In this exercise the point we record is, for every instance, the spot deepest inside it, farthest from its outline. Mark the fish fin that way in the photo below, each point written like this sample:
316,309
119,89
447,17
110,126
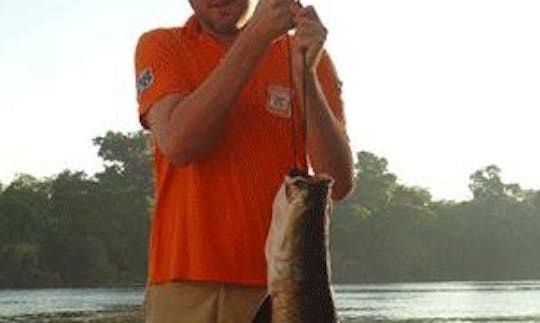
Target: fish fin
264,313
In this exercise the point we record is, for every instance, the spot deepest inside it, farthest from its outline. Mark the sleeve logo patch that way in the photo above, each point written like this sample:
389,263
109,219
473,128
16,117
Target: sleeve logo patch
144,80
279,101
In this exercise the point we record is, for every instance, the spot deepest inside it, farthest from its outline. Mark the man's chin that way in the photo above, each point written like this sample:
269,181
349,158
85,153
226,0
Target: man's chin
225,28
224,23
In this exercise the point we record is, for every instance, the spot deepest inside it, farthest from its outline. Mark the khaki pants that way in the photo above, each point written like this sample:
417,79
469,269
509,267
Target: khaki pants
200,302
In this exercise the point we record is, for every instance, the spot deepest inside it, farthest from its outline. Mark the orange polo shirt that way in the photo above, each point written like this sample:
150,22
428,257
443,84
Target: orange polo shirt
211,217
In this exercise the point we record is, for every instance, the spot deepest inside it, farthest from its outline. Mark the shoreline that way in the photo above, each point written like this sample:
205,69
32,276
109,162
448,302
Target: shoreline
125,314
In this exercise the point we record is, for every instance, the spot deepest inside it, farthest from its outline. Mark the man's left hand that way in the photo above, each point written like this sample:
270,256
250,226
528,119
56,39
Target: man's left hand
309,39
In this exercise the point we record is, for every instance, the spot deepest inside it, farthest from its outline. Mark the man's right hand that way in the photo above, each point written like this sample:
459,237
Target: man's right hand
272,18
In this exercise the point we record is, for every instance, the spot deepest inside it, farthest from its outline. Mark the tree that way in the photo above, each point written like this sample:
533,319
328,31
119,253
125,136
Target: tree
374,184
126,196
24,213
127,158
78,229
357,224
486,184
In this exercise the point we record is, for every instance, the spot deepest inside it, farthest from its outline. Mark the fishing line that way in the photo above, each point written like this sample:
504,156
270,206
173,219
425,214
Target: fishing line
292,103
297,167
304,109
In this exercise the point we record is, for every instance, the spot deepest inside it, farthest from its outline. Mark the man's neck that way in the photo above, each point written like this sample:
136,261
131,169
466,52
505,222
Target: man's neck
225,40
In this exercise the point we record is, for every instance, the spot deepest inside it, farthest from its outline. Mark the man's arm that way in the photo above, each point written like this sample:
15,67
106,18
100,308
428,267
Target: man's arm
327,143
187,127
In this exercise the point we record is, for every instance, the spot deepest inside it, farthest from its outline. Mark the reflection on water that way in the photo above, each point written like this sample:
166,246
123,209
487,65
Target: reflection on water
440,302
412,302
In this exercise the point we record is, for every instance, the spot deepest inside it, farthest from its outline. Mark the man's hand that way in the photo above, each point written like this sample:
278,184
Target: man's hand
273,18
309,39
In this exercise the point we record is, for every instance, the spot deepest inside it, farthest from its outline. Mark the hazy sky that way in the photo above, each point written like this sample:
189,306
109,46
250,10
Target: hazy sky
439,88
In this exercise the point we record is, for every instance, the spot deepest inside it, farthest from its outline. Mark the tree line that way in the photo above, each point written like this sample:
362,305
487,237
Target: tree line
77,229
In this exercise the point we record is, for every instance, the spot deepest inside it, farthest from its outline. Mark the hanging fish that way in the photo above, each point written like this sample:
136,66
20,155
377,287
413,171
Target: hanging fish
297,254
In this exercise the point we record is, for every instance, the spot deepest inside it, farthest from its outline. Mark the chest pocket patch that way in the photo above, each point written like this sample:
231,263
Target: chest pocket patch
278,101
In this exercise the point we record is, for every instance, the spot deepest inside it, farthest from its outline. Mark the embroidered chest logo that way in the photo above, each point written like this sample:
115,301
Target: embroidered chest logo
279,101
144,80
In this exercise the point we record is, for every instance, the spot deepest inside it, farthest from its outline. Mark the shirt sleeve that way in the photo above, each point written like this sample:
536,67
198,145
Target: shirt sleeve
158,69
331,86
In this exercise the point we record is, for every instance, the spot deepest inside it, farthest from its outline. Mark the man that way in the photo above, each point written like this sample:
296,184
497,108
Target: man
219,100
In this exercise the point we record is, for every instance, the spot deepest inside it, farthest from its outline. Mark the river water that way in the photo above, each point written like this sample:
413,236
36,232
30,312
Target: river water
514,301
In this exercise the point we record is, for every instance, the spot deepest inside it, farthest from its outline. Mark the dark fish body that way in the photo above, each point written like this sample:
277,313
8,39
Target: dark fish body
297,254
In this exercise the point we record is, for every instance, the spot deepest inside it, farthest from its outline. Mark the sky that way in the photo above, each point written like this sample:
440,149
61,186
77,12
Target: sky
440,88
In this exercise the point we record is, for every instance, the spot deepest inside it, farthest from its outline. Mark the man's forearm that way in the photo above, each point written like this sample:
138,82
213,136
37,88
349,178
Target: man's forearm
198,119
327,143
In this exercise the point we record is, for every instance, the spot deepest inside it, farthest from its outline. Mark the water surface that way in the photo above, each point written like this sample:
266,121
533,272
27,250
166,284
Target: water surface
440,302
513,301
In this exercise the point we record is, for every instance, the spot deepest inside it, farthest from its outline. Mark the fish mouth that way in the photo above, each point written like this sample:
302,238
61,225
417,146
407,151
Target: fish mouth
300,185
302,175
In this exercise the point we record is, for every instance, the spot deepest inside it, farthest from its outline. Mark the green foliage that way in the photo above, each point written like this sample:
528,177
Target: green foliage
80,229
76,229
389,232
